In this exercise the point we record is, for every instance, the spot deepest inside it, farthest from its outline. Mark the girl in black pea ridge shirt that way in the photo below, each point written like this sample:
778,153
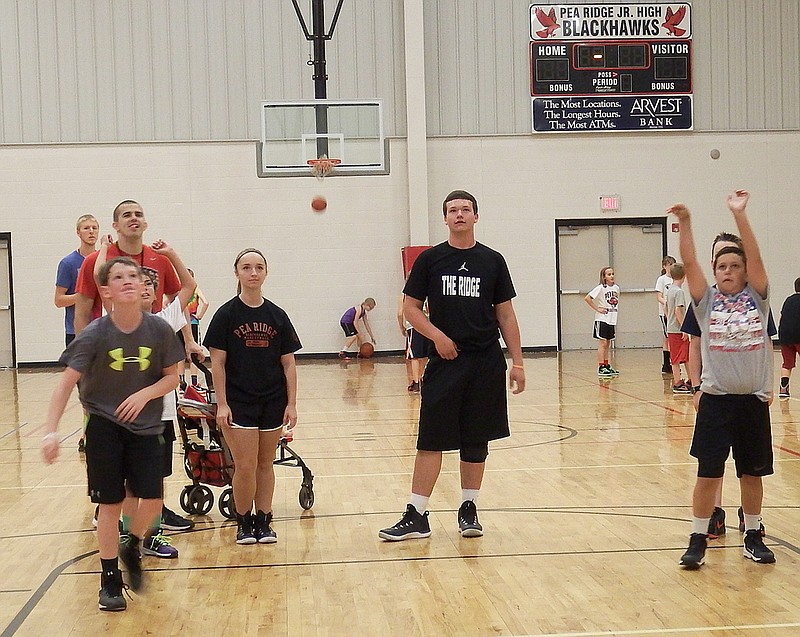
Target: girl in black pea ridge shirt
252,344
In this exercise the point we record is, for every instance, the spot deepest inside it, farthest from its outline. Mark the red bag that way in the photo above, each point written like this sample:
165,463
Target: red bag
207,466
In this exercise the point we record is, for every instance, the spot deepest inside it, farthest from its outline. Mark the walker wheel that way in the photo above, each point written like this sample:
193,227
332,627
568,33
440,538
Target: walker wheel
201,499
306,497
226,504
184,499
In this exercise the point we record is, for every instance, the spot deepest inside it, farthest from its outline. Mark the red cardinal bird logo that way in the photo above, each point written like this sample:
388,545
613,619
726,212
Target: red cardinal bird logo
548,21
673,20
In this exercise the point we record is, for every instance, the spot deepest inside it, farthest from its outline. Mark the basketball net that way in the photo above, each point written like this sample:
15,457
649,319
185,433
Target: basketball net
323,166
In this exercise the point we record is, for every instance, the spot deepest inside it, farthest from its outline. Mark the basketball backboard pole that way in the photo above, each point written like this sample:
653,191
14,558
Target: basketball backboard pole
318,36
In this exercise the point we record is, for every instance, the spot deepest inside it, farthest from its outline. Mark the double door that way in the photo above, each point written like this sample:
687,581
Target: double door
634,248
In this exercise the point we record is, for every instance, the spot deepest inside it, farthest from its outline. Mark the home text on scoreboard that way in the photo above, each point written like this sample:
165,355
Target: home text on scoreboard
601,67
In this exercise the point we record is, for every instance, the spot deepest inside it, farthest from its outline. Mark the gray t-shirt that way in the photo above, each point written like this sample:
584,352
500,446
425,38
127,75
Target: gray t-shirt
674,297
114,365
736,349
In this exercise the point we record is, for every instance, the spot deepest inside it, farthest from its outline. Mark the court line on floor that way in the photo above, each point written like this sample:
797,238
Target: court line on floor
16,622
340,476
682,413
38,595
667,631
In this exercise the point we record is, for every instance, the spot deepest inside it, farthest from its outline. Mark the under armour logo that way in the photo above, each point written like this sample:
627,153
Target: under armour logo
118,359
463,267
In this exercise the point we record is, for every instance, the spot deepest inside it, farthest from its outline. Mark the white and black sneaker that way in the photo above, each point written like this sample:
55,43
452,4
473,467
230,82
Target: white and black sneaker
262,528
695,555
245,532
468,520
413,525
755,549
111,588
171,521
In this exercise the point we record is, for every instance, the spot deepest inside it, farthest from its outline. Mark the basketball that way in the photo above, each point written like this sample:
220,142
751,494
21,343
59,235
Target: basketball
366,350
319,203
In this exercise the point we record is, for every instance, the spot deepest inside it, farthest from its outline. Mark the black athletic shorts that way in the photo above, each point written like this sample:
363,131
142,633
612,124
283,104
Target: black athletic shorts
604,331
264,416
464,401
732,421
349,329
417,346
169,445
115,457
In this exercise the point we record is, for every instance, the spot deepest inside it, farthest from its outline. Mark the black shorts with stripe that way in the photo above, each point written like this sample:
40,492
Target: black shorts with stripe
604,331
417,346
349,329
464,403
264,415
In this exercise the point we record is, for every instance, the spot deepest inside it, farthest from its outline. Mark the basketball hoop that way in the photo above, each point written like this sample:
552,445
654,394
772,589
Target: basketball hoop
323,166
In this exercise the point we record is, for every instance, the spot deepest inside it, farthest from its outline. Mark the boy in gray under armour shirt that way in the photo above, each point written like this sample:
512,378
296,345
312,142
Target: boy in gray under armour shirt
125,362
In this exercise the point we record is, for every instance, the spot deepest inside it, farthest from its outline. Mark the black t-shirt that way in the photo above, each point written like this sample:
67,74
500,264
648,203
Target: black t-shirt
254,339
789,325
462,287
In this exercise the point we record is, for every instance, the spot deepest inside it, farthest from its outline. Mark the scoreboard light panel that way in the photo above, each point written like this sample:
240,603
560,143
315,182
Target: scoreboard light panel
607,67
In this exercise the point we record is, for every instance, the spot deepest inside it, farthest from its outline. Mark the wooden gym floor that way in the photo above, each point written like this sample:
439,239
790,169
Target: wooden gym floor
585,510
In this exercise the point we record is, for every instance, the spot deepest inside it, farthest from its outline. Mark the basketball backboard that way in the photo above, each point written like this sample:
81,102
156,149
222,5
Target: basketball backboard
294,132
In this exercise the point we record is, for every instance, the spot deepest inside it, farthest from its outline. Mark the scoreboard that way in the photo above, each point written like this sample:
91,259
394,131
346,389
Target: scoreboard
611,66
591,68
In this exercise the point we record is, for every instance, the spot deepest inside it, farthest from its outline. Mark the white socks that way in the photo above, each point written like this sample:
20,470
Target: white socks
420,502
751,522
700,525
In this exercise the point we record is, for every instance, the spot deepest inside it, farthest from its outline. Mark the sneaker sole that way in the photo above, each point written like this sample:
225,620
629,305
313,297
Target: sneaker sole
247,541
416,535
112,609
268,540
175,527
692,566
766,560
471,532
152,553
